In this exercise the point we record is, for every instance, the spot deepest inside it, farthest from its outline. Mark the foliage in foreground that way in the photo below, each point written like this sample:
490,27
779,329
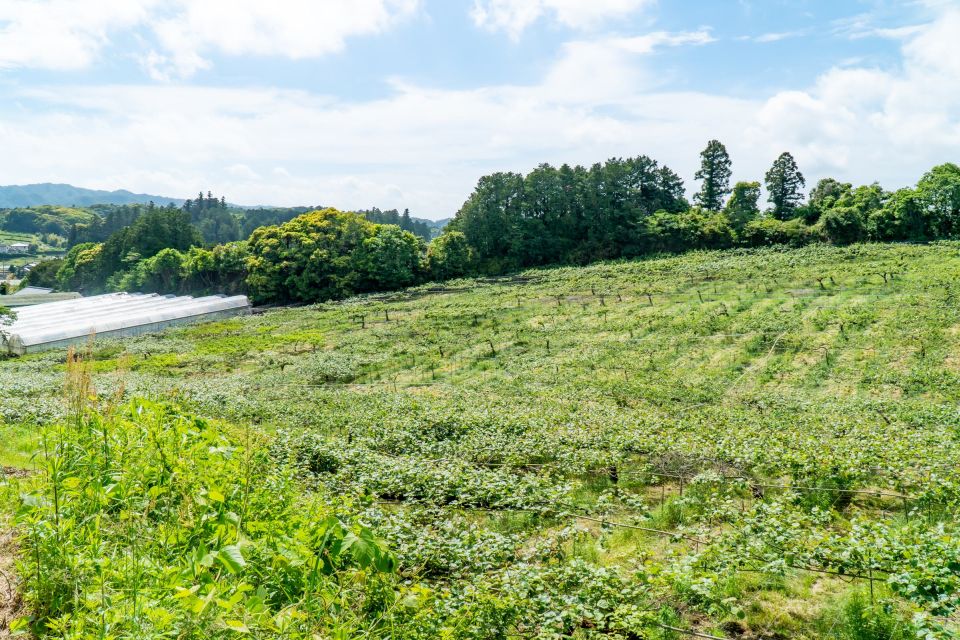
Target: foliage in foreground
151,523
731,442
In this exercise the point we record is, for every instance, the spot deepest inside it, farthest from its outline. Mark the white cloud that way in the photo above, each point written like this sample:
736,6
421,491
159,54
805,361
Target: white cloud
866,124
766,38
62,34
514,16
293,29
424,148
71,34
600,70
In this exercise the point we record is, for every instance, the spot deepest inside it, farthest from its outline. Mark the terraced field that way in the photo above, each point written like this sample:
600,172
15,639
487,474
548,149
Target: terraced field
746,444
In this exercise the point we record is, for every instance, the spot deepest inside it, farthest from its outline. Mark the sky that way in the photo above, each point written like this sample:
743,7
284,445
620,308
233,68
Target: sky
406,103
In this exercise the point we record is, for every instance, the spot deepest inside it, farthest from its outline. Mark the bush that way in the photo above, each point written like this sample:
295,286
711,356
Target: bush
770,231
844,225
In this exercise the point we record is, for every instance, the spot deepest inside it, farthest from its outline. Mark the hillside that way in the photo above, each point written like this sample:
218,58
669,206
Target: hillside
32,195
740,444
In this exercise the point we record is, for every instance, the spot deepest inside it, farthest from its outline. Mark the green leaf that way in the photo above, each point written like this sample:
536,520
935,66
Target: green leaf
19,627
236,625
231,558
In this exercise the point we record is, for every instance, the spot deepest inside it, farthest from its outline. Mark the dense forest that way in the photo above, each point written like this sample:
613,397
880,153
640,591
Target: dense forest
623,208
629,208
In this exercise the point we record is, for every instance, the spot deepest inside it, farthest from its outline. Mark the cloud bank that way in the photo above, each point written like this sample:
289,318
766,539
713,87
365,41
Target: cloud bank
424,147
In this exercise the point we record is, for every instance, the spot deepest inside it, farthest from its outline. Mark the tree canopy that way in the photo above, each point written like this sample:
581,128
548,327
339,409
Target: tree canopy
714,173
329,254
785,184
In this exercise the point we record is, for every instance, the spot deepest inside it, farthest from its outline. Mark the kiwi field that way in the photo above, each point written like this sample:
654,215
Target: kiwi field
757,444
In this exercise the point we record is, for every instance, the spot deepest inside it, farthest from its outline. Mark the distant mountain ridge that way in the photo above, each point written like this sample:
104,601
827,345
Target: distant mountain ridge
67,195
32,195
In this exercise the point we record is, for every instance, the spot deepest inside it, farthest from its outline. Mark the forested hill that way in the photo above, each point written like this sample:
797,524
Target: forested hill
32,195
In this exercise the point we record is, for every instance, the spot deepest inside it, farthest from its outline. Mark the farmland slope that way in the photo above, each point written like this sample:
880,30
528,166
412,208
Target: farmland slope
755,444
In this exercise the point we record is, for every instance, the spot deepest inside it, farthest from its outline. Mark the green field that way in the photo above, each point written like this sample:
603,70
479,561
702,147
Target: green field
44,251
743,444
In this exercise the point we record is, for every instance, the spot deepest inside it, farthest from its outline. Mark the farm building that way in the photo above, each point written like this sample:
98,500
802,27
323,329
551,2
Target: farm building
15,248
59,324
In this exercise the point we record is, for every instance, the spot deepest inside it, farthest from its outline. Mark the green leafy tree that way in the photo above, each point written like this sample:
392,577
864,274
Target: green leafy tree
566,215
784,185
491,219
162,273
940,190
715,174
307,259
152,232
824,197
222,269
44,274
81,268
744,205
903,217
388,259
844,225
866,198
449,256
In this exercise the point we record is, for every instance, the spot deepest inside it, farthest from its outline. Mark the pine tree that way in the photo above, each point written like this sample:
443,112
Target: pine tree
715,174
785,184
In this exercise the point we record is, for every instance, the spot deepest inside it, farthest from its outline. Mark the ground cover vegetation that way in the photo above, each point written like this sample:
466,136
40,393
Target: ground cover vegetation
749,443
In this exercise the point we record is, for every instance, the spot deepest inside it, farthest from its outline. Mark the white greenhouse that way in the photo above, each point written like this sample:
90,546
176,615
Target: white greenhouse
59,324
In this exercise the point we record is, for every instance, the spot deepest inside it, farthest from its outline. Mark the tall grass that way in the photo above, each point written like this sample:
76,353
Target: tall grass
150,522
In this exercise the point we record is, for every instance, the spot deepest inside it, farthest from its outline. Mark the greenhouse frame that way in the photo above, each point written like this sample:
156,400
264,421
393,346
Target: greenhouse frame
114,315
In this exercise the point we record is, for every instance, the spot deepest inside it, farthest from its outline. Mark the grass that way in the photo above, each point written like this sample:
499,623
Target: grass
19,445
731,416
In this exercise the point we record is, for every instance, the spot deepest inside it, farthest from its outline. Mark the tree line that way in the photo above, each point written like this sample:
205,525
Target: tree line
623,208
630,208
316,256
215,220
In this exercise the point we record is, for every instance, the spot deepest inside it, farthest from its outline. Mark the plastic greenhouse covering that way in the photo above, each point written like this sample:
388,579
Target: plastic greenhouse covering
57,324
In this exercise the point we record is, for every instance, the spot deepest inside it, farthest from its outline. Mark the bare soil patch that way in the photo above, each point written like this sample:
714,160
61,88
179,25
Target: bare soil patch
11,605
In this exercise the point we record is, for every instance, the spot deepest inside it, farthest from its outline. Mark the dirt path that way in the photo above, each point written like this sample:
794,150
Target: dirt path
11,606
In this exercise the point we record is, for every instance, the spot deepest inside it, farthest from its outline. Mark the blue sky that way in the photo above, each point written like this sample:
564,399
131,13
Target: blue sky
405,103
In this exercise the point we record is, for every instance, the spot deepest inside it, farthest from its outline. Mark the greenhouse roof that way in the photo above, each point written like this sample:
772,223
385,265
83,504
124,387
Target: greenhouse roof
57,324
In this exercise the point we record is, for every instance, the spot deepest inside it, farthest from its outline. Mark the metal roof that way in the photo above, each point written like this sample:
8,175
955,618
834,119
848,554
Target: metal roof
30,291
57,324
